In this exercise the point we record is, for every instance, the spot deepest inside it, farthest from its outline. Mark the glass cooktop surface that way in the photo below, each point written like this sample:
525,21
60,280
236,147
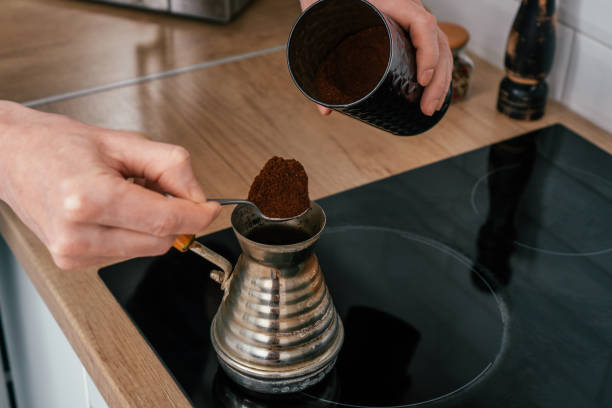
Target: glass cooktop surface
484,280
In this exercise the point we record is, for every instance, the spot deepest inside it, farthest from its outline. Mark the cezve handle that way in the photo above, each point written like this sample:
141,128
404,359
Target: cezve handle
188,242
183,242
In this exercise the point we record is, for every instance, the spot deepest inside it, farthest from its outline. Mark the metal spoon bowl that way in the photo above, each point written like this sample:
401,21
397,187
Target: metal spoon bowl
186,242
228,201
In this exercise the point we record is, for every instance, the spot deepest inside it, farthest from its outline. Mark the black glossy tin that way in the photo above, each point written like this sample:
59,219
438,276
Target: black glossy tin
394,103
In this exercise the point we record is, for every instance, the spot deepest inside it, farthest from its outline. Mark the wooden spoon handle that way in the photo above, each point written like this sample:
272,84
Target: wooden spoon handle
183,242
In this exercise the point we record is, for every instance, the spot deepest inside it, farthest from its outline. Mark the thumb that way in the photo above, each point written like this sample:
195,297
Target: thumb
166,167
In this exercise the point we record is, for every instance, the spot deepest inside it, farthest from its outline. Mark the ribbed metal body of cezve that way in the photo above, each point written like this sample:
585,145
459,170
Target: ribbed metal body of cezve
276,330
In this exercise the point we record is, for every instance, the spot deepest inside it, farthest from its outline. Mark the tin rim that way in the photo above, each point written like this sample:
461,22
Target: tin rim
381,16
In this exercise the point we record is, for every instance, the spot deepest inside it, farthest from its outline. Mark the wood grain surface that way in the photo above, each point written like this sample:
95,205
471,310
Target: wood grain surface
49,47
232,118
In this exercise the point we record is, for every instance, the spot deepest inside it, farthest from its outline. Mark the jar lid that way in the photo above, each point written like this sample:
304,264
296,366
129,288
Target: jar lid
458,36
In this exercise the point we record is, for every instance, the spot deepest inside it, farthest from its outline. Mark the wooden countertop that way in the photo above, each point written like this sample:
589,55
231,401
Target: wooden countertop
232,116
51,47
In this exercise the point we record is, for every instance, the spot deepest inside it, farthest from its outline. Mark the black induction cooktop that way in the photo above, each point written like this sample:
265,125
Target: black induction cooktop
484,280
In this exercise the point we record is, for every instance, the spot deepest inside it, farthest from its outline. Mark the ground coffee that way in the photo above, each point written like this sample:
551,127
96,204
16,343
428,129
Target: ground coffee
354,67
281,189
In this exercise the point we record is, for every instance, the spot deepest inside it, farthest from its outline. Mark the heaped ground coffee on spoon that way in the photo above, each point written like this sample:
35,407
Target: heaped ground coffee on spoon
281,189
354,67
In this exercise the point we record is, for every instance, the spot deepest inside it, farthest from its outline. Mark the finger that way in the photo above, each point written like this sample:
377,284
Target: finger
306,3
423,29
85,241
115,202
166,167
141,181
445,48
72,263
435,92
324,111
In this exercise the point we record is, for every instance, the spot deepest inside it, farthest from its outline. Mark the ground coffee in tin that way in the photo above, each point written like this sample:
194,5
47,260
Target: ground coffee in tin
354,67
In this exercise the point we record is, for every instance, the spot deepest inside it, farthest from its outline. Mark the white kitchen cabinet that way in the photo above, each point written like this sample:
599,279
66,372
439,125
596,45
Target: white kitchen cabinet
46,371
4,394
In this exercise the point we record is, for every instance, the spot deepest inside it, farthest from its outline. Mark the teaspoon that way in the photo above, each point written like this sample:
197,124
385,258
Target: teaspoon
185,242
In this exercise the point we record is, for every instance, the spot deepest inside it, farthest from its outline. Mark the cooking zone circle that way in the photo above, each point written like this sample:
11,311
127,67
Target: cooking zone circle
548,207
417,329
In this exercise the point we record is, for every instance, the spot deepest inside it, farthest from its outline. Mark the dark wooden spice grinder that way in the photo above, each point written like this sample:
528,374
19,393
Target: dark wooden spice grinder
529,57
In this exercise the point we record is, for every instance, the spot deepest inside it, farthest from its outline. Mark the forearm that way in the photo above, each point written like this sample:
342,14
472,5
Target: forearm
19,129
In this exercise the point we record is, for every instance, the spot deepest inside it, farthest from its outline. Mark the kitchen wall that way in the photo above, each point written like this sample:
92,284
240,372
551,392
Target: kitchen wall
581,77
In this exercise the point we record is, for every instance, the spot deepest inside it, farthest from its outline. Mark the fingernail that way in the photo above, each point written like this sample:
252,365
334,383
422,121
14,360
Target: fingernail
426,77
431,107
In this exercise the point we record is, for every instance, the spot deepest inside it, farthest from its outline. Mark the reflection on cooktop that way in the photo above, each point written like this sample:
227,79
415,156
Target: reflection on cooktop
415,327
482,280
552,221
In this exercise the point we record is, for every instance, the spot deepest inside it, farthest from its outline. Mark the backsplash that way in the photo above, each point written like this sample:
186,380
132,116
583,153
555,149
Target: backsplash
583,59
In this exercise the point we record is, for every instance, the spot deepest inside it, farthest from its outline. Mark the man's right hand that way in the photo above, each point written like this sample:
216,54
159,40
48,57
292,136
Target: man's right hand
68,182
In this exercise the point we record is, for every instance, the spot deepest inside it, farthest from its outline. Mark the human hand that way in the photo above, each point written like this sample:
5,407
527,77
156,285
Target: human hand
434,58
67,181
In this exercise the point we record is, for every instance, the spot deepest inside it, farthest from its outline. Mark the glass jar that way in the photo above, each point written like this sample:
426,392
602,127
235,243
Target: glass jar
463,66
462,73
